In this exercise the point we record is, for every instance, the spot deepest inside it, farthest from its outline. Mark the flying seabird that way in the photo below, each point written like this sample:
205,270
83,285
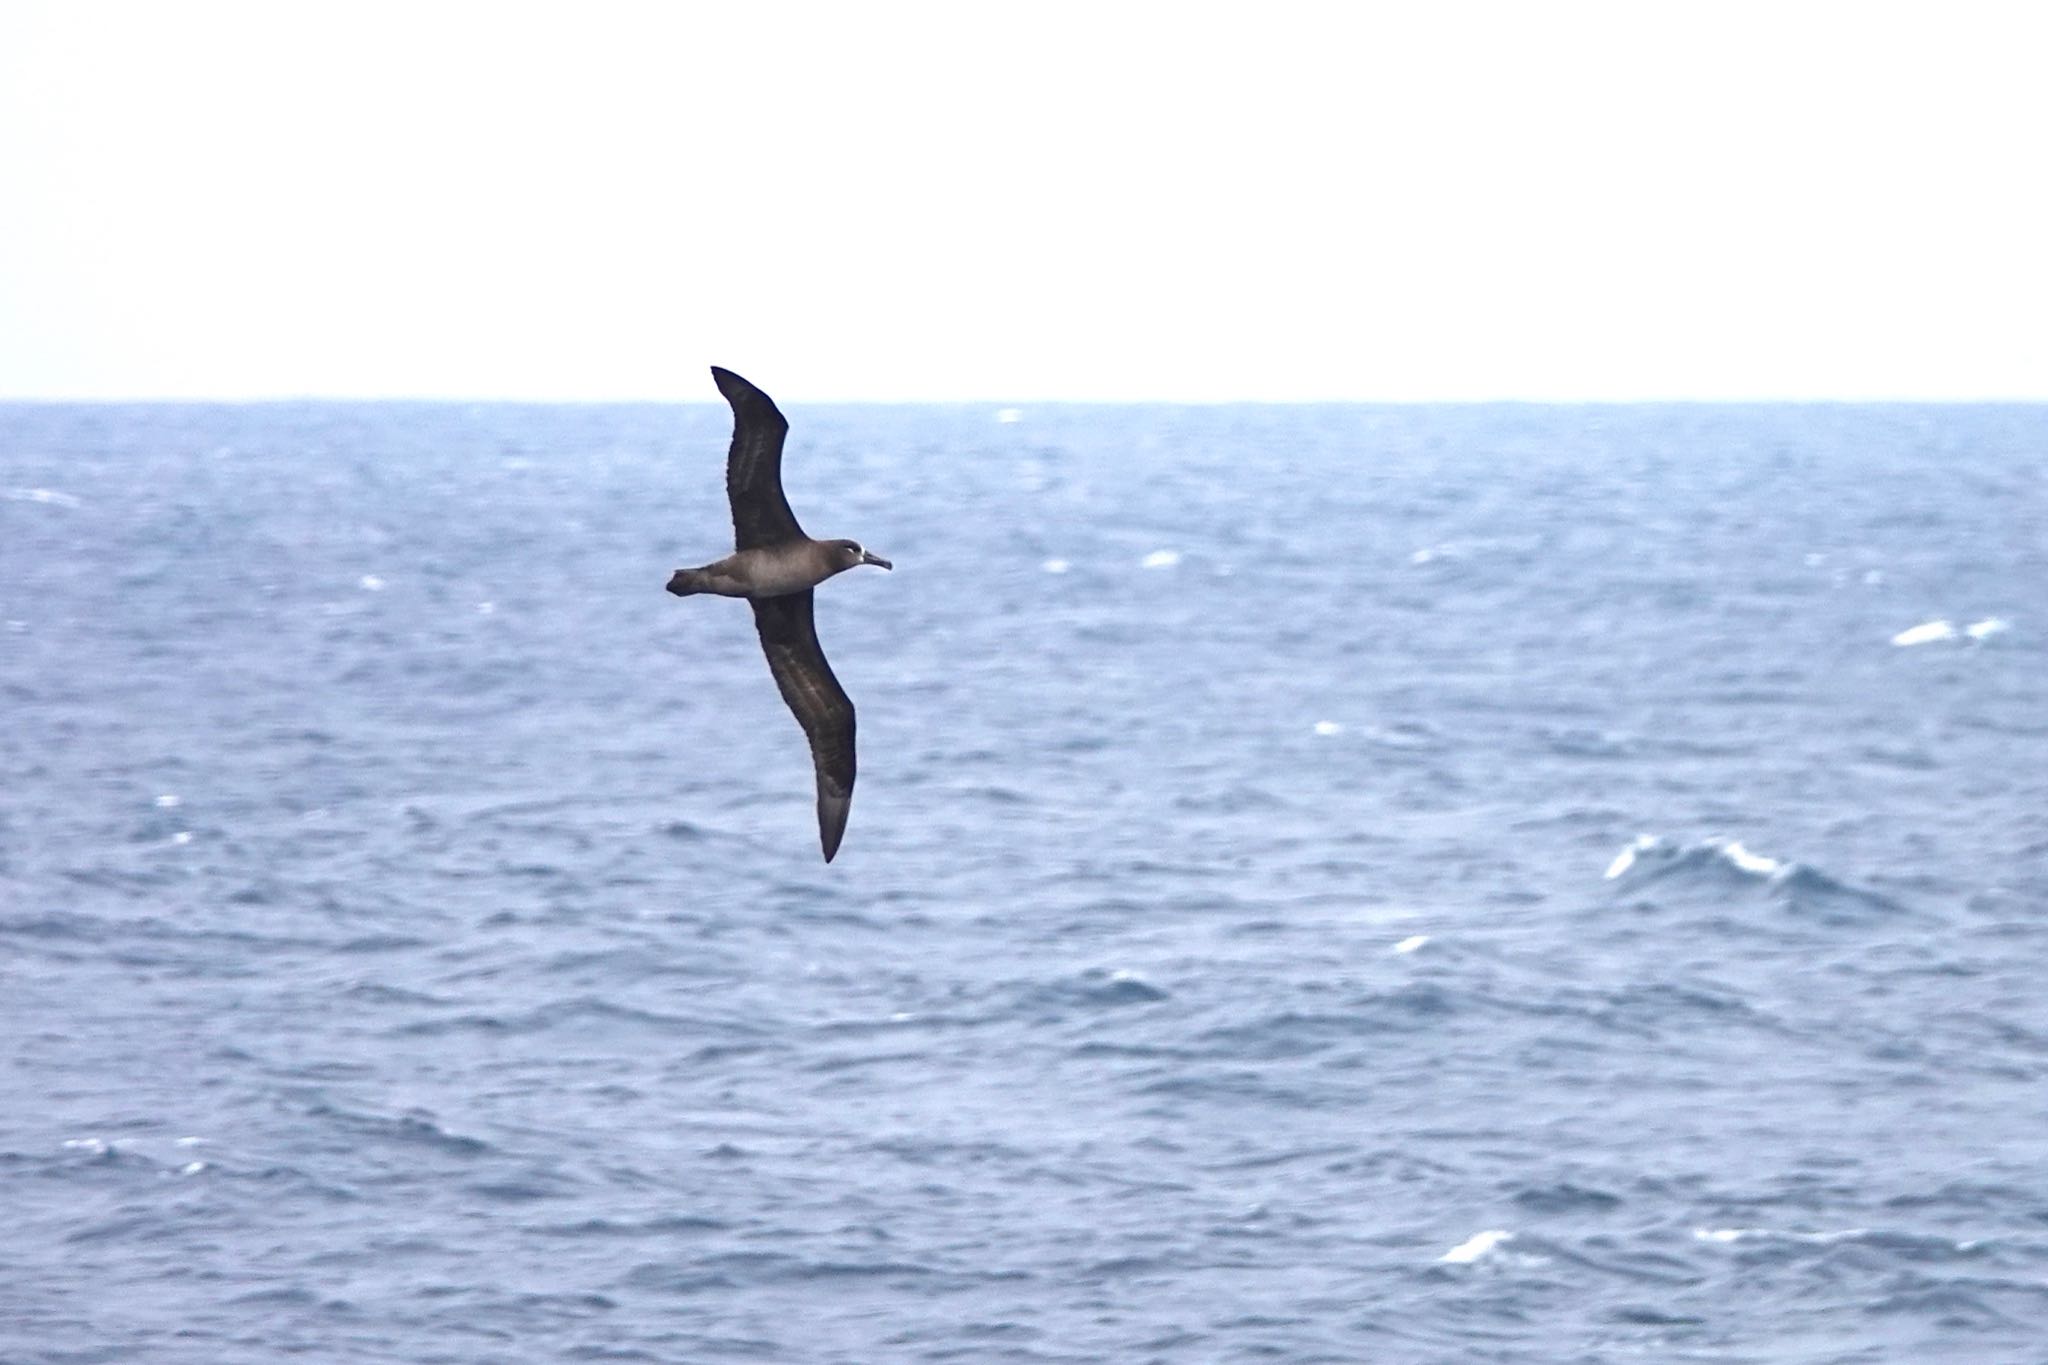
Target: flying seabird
775,566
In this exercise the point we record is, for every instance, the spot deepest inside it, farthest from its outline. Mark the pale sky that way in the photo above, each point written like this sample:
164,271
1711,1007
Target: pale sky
891,201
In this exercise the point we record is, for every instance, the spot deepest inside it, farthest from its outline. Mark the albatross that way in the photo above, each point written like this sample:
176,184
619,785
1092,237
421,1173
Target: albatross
775,566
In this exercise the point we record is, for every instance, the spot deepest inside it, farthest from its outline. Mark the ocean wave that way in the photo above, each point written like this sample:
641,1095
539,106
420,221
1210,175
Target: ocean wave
1298,1033
1716,865
1903,1246
580,1012
512,998
662,1225
1565,1197
402,1130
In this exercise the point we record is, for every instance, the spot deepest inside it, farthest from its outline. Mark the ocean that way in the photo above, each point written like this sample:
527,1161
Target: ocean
1326,884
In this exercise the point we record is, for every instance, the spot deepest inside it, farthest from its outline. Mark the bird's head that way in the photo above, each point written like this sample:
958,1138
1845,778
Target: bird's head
849,554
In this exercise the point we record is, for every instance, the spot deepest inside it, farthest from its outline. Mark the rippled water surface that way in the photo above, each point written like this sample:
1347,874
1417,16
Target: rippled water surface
1326,884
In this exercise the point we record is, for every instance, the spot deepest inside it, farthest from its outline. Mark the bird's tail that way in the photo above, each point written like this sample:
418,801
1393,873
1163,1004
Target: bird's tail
685,582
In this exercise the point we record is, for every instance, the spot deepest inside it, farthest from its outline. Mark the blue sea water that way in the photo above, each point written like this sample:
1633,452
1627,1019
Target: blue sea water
1415,884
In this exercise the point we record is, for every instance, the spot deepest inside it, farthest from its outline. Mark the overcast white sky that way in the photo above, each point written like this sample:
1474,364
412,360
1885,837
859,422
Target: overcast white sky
907,201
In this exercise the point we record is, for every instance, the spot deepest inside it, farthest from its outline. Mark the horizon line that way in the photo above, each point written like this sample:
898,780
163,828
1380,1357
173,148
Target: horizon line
256,400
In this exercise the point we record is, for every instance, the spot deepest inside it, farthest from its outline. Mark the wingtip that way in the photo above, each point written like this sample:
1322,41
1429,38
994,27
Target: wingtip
743,394
832,822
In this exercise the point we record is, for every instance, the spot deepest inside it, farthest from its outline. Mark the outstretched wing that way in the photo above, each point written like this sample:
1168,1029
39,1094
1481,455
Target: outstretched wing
753,468
790,638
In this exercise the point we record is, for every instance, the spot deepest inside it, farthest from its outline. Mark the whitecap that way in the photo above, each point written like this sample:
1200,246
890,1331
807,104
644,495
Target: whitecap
1926,633
1715,848
1626,859
1944,630
1009,415
1475,1246
1768,1234
1411,943
1328,727
169,801
1056,566
1160,559
1753,863
369,582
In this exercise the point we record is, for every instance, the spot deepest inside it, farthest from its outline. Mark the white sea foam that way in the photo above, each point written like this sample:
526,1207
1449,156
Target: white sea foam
1945,631
369,582
1729,851
1411,943
1626,859
1475,1246
1771,1235
1009,415
1056,566
1328,727
169,801
1926,633
1161,559
1754,863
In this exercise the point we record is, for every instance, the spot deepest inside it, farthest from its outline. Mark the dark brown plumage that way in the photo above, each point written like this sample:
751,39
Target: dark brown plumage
753,467
790,639
775,566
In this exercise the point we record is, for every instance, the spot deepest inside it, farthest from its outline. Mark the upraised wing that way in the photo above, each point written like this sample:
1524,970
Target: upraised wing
753,468
790,638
